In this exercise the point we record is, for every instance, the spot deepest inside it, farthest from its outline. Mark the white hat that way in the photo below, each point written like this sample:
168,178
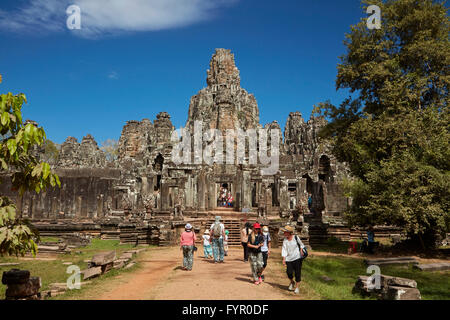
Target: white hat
188,226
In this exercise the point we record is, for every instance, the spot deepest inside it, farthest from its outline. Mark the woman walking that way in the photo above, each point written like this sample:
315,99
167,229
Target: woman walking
255,242
187,244
292,257
244,239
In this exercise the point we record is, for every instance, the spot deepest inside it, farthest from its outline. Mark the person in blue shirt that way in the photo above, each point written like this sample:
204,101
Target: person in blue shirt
310,203
370,239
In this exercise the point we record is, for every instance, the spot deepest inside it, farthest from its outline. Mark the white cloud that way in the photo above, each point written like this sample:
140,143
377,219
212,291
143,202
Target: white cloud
100,17
113,75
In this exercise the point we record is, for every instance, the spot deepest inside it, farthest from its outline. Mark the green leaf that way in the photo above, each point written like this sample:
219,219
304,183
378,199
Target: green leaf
12,146
5,118
4,164
45,170
11,212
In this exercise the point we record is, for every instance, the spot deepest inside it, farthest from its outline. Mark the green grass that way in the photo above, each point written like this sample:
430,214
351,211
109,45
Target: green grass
432,285
54,271
49,239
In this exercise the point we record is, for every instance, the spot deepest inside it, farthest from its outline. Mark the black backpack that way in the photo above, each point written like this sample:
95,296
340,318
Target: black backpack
304,251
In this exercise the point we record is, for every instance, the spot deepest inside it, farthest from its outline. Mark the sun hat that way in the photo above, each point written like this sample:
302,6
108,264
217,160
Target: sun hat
188,226
227,232
217,219
206,232
289,229
257,226
265,229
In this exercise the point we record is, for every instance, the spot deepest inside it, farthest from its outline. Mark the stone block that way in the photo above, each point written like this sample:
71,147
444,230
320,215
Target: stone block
24,290
91,272
103,258
443,266
15,276
107,267
401,293
387,281
126,255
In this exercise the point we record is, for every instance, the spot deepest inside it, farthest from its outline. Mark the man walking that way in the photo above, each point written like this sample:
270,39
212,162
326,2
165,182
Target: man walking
217,232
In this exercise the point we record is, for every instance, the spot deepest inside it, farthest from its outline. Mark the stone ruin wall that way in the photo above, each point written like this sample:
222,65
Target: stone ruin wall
144,184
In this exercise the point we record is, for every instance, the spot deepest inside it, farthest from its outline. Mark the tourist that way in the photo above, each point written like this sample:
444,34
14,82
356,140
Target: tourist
225,243
207,249
224,197
230,200
187,244
371,243
265,249
217,232
254,244
244,239
310,203
292,257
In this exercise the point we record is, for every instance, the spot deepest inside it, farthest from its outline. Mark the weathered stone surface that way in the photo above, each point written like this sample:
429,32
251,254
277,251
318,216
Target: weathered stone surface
101,259
361,286
9,264
387,281
401,293
443,266
91,273
126,255
119,264
23,290
86,154
395,260
15,276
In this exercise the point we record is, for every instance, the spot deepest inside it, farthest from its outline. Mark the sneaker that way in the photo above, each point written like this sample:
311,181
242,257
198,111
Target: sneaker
256,282
291,287
297,291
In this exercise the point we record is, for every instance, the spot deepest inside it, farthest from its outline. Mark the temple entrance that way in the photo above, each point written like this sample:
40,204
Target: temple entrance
225,197
325,173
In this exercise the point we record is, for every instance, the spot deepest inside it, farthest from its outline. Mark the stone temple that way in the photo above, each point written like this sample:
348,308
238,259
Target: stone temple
144,197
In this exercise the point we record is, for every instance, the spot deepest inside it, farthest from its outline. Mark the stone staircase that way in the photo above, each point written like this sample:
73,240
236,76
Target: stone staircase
233,225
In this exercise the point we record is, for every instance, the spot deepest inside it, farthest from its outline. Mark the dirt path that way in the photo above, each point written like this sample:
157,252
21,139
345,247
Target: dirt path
161,277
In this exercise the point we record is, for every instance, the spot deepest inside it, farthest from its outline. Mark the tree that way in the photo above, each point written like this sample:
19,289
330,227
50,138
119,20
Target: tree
111,149
393,130
49,152
17,140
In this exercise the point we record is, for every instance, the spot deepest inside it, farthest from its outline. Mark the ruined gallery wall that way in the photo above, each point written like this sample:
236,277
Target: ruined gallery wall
83,193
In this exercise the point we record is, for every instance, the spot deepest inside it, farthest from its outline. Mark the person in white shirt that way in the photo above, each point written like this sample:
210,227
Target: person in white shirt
207,249
292,257
217,232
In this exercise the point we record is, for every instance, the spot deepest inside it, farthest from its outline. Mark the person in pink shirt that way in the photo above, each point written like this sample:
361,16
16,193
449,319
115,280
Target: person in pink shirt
187,244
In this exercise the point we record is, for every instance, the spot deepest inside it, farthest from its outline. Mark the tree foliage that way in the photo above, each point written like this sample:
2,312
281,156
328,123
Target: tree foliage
25,171
393,130
111,149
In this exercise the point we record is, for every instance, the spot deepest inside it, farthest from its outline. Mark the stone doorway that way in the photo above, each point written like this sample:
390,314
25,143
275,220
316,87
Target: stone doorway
223,189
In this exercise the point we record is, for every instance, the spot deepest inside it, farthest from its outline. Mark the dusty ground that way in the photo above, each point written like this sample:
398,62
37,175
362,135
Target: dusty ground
160,277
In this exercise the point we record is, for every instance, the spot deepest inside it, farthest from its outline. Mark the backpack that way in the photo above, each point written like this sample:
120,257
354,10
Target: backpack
217,230
304,251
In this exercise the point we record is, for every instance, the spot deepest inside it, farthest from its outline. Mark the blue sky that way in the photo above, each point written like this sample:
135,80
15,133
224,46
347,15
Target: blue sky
287,52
